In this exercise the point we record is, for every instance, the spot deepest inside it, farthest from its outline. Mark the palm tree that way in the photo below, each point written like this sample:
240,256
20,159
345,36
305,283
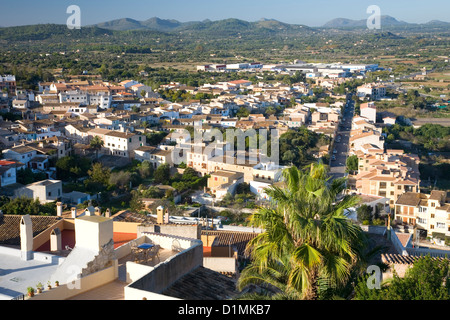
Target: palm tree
96,144
308,246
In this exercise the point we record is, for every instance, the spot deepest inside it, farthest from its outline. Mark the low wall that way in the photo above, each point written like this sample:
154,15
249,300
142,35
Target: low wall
179,230
220,264
67,291
125,249
38,256
137,294
166,273
44,236
135,271
431,252
374,229
125,227
400,270
397,244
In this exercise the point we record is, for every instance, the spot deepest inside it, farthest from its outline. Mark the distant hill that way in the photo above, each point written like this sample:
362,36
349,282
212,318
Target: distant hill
349,23
438,23
121,25
50,31
225,26
155,24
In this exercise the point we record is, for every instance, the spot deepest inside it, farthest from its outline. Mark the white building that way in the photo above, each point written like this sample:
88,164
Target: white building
372,91
7,173
369,111
45,190
122,143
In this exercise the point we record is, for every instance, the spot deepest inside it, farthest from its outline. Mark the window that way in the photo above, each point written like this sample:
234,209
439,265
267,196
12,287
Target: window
421,220
50,194
440,225
423,209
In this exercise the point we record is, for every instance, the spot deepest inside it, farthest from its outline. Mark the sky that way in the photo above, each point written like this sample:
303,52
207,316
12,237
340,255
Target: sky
307,12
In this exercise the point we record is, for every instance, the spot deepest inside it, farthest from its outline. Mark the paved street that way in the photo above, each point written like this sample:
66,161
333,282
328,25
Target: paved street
340,151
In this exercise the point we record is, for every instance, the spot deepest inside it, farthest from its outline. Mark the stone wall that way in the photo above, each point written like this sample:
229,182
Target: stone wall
103,260
169,271
179,230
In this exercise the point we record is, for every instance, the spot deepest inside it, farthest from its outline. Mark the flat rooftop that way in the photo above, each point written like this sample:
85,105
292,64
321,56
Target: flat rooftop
16,275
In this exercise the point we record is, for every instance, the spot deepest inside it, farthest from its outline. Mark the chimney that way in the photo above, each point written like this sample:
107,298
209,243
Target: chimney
89,211
108,213
160,215
55,240
166,217
74,212
98,211
59,209
26,238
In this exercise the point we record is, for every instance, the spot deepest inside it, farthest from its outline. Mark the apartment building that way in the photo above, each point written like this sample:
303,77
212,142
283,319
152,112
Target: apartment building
197,156
20,153
234,164
45,190
7,173
359,139
123,143
372,91
8,84
369,111
430,212
222,182
387,174
156,156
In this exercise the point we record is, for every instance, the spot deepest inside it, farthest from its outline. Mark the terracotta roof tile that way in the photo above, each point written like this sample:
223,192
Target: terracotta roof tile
203,284
10,227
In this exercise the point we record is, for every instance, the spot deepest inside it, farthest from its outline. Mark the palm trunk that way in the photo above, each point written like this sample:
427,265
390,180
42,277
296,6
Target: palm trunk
313,291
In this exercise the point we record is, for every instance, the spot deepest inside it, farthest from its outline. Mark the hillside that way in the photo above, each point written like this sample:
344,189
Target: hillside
226,27
386,21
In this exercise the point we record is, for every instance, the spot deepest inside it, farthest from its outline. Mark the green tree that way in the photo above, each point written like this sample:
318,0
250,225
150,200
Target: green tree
25,205
96,144
121,179
352,163
100,174
309,246
428,279
136,203
242,113
364,213
72,167
162,174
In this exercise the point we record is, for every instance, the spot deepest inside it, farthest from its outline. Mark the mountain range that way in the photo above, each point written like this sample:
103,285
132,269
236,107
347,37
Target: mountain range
385,21
170,25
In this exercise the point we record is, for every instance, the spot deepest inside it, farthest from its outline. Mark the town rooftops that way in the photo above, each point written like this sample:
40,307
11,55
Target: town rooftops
227,174
401,259
22,149
410,199
118,134
203,284
10,227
